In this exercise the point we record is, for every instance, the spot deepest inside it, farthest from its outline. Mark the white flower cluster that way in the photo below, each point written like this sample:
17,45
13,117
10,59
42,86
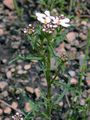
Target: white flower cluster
49,22
52,22
17,116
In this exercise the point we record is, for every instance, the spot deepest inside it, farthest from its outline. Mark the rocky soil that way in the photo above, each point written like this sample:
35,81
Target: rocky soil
23,77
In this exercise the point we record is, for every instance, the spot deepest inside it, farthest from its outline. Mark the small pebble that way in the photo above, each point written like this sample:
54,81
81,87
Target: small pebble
27,66
82,102
29,89
3,85
27,107
9,74
72,73
71,36
61,104
73,81
4,61
7,110
37,92
82,36
4,94
1,111
12,70
14,105
9,4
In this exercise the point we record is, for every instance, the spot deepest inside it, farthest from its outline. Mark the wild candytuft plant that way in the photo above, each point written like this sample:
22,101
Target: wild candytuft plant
43,38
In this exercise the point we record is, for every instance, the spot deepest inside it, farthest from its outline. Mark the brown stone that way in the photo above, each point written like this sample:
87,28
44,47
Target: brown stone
9,74
27,66
73,81
83,36
1,32
71,36
3,85
14,105
7,110
4,94
88,82
37,92
29,89
27,107
1,111
9,4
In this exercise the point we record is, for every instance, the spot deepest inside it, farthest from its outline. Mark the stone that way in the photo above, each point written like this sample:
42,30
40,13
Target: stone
71,36
19,67
9,4
82,102
20,72
61,104
27,107
9,74
83,36
72,73
53,64
88,78
88,82
81,59
7,118
4,61
3,85
1,32
19,91
4,94
1,118
44,82
68,46
12,70
23,82
29,89
37,92
73,81
1,111
7,110
24,71
14,105
15,45
84,23
27,66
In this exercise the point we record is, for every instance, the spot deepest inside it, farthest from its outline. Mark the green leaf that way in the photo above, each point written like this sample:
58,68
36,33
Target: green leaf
60,97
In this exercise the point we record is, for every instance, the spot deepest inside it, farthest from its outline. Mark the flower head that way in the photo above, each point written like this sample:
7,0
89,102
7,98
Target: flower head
61,20
29,30
46,18
17,116
43,18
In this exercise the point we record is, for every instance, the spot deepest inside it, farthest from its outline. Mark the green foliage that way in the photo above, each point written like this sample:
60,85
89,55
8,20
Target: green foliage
52,4
19,11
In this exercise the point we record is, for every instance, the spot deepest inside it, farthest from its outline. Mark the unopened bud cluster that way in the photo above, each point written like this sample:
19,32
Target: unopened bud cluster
29,29
17,116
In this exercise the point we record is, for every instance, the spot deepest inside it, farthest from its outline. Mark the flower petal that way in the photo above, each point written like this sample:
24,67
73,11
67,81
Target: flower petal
47,13
40,14
42,20
64,24
66,20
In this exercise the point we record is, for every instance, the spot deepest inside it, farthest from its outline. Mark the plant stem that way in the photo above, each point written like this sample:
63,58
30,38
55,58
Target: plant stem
48,77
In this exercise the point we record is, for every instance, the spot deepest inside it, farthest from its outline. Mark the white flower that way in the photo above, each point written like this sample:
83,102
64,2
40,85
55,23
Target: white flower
65,22
55,21
43,18
61,21
47,13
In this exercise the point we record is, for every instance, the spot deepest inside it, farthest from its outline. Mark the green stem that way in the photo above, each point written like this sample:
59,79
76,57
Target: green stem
48,76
